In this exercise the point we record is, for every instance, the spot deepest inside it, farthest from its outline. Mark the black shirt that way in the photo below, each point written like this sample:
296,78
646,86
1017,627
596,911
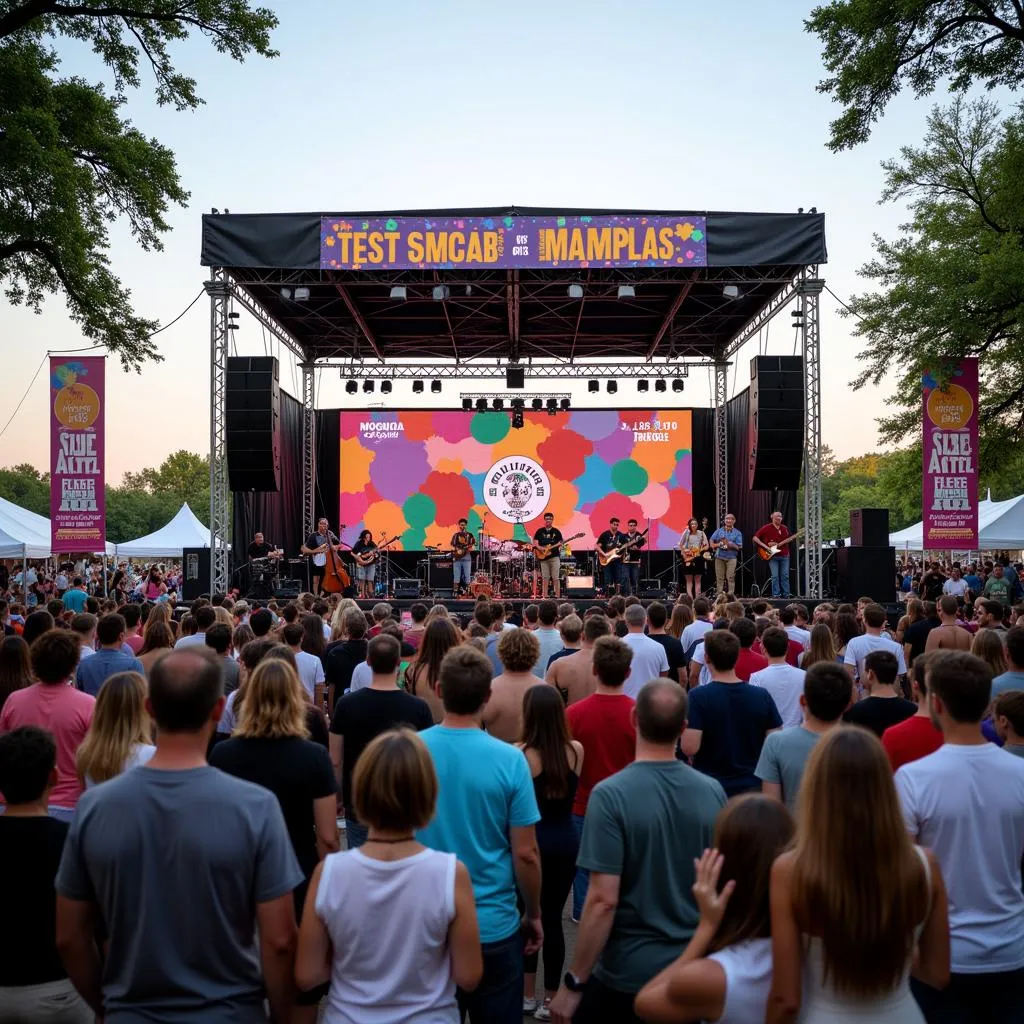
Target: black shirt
359,548
931,586
608,540
295,770
362,716
917,636
340,661
462,539
259,550
878,713
30,850
633,554
548,535
674,653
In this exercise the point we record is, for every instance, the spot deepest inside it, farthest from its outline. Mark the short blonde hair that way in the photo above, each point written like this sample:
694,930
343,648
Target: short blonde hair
394,787
518,650
274,705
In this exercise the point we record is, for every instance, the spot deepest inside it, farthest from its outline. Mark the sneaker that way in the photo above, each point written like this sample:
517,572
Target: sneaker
340,822
530,1006
543,1012
573,918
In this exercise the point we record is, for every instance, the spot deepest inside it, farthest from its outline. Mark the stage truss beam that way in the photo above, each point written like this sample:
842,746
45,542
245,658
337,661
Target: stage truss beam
221,325
810,288
721,441
308,447
478,371
783,298
359,319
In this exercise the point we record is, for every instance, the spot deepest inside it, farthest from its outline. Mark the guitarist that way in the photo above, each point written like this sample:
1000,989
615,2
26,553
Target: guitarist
463,543
366,564
631,558
549,566
772,533
608,541
692,544
728,543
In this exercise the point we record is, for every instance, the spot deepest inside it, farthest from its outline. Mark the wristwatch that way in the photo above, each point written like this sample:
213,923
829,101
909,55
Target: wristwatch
572,983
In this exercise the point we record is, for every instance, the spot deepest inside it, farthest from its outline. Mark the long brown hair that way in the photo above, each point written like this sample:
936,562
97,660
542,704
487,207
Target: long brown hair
157,637
438,639
312,634
857,881
845,627
751,831
822,646
915,610
987,646
119,724
682,616
545,730
15,667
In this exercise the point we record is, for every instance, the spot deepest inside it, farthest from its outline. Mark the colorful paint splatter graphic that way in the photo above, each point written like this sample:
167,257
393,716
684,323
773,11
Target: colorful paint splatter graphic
415,474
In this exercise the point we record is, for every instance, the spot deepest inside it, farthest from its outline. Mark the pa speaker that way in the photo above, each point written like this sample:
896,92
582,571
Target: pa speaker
776,423
405,589
515,378
580,586
869,527
252,423
866,572
195,578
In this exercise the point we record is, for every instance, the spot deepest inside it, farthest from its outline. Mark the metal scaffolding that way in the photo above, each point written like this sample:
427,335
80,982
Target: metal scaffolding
308,447
809,289
721,441
561,370
221,325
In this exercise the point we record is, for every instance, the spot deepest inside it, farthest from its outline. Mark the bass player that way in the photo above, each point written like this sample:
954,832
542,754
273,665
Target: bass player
693,545
775,534
548,539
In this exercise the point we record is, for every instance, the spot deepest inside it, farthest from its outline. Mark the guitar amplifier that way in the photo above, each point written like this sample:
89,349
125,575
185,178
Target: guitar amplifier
579,586
406,589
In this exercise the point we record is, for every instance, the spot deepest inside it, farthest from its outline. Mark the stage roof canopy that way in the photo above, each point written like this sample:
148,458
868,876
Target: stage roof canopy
494,284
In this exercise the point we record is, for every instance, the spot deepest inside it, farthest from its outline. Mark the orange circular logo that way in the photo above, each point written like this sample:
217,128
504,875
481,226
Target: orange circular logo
951,408
76,406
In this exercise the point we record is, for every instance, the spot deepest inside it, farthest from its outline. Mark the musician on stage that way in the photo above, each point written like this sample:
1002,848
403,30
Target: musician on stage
364,552
692,545
607,541
259,548
463,543
316,546
772,533
548,566
631,558
728,542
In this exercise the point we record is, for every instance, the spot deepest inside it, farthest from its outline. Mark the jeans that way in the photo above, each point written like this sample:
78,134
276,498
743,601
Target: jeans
779,568
581,883
632,577
603,1005
53,1002
613,574
355,834
463,570
995,998
61,813
498,999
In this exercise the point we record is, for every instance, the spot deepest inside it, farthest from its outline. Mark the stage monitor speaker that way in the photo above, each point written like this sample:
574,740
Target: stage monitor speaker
515,378
869,527
195,578
580,586
405,589
866,572
287,590
443,593
651,590
252,423
776,423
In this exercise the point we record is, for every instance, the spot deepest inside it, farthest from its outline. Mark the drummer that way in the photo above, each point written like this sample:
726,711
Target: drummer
548,567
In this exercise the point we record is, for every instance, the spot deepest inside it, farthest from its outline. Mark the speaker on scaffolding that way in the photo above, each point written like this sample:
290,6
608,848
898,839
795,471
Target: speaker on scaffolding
869,527
195,576
776,423
252,423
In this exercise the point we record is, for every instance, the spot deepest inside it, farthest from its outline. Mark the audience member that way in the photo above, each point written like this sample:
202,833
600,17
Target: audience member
518,651
36,624
84,626
120,734
948,634
418,615
988,645
219,640
883,706
1008,718
574,676
340,659
1013,677
262,622
649,658
15,666
747,663
784,682
547,635
309,666
424,677
859,647
205,616
795,630
657,617
822,646
916,736
570,629
694,632
915,638
157,640
109,659
132,615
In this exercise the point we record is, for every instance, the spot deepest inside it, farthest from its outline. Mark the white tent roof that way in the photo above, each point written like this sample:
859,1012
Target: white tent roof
9,546
28,531
1000,525
183,531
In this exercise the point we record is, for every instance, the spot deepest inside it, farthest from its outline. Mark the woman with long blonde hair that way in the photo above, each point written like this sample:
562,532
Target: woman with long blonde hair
345,605
120,736
856,906
987,646
822,646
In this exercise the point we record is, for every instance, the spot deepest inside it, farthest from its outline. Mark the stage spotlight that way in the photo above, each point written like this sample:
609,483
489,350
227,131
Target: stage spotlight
441,292
399,292
351,387
575,291
565,404
626,291
642,384
537,404
286,293
593,386
385,387
498,404
731,291
368,386
435,387
301,295
469,289
613,386
552,406
517,419
481,405
467,404
678,384
417,387
660,384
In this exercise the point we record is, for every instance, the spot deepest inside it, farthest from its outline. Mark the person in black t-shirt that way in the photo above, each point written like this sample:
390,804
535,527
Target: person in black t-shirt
31,844
612,572
631,558
363,551
362,716
916,636
657,616
549,566
884,706
259,548
932,583
341,658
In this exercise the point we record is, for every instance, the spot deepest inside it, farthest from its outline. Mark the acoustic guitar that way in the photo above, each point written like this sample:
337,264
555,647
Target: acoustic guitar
773,549
607,557
543,551
461,550
365,558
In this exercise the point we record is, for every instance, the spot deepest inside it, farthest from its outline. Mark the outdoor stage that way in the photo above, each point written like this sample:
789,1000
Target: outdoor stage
461,607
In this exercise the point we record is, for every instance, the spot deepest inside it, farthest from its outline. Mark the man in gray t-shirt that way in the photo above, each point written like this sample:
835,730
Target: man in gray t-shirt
181,864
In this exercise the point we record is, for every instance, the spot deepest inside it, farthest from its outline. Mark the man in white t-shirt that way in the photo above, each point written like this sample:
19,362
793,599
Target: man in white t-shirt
965,802
309,666
788,618
696,629
784,682
956,585
872,640
649,658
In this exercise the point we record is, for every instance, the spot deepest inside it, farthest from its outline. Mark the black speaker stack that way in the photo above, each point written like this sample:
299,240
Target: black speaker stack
776,423
252,426
195,577
866,568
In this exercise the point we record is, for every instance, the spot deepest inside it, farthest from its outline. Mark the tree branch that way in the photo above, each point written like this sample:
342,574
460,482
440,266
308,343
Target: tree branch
19,17
130,14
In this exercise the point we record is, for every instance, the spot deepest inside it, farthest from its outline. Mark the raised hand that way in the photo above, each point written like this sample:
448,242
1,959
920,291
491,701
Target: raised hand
710,902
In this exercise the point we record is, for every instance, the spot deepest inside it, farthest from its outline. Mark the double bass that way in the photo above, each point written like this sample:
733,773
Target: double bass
336,578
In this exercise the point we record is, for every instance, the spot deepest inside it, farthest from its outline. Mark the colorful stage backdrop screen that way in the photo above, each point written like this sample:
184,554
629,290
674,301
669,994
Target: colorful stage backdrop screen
414,474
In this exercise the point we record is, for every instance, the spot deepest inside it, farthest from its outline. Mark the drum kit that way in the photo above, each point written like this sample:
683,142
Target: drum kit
508,569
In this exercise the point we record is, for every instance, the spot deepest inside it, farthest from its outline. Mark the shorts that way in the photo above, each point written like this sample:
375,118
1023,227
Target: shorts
549,568
365,573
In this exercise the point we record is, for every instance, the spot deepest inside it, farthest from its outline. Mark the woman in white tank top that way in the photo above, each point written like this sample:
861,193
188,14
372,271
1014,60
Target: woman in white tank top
854,898
726,970
391,925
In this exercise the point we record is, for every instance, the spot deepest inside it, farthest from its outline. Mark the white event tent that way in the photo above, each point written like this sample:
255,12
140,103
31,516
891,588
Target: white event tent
183,531
1000,526
29,532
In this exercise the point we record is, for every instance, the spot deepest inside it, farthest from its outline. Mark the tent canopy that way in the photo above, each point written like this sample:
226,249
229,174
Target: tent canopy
10,547
1000,525
183,531
28,532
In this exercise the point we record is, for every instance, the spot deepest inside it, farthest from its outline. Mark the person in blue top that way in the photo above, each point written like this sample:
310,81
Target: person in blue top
486,813
728,542
75,598
109,659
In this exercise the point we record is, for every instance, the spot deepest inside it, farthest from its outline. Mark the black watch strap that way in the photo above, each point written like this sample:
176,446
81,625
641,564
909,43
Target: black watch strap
572,983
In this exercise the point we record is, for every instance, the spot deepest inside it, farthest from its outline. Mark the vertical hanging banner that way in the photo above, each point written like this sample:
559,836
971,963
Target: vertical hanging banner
77,502
949,495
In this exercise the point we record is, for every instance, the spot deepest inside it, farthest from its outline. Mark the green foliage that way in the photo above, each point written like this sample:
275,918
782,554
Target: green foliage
70,165
27,487
872,49
952,284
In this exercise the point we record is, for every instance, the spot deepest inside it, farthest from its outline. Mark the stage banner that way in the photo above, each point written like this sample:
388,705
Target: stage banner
77,501
414,474
482,243
950,486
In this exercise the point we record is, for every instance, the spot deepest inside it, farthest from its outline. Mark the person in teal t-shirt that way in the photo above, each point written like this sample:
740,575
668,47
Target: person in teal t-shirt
75,598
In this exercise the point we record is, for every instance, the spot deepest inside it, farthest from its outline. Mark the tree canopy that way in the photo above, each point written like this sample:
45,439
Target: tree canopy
873,49
71,164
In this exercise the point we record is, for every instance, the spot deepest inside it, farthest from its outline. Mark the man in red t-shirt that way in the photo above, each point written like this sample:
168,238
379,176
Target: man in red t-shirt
775,532
914,737
603,723
748,662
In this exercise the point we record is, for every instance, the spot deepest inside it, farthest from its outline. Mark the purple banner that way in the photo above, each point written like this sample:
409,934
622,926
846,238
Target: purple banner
481,243
77,501
949,495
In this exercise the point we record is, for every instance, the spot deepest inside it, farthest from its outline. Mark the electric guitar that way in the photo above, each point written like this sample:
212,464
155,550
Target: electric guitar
606,557
543,551
773,549
365,558
461,550
690,555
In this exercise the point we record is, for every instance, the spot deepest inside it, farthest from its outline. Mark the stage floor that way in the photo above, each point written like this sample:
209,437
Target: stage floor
465,607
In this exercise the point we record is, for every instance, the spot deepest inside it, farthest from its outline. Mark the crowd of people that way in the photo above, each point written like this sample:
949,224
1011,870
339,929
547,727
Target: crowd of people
997,579
752,813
